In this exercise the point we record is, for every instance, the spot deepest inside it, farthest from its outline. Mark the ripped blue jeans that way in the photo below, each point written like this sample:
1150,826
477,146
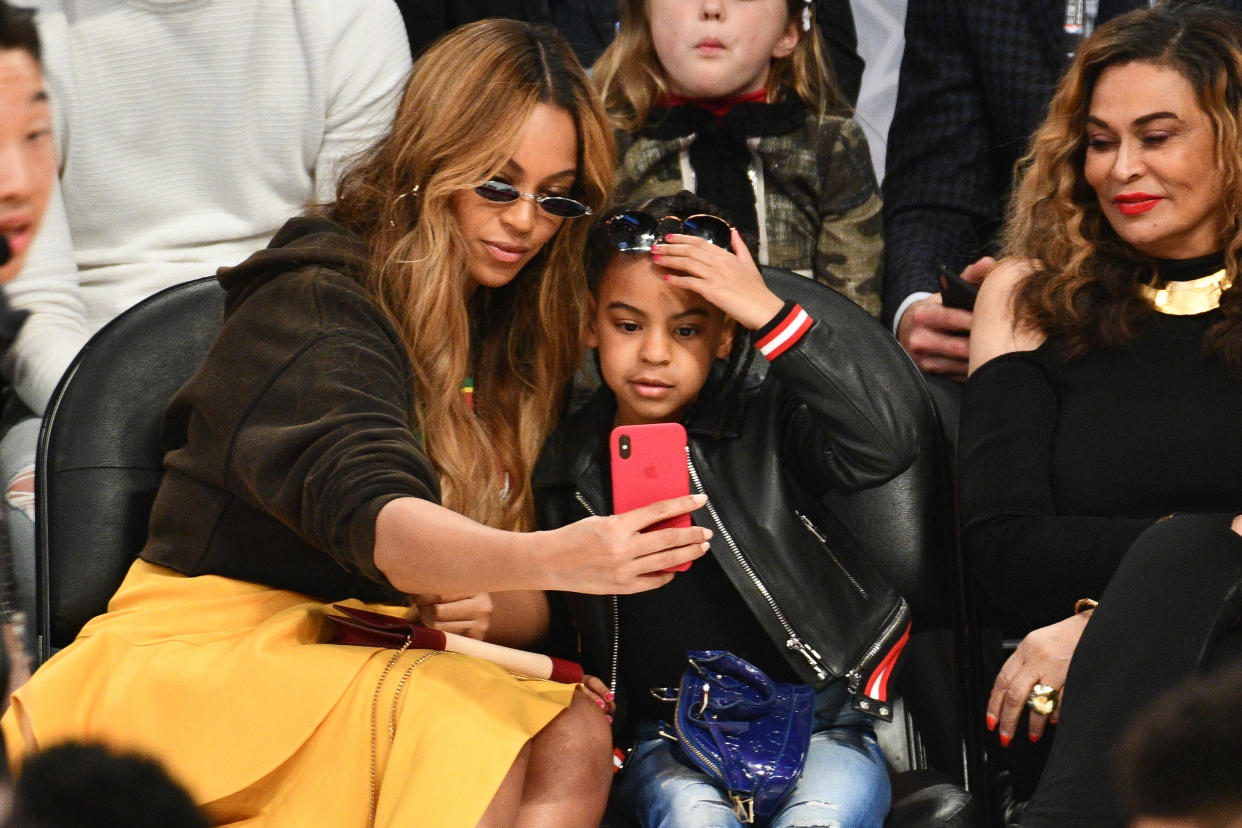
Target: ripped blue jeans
844,783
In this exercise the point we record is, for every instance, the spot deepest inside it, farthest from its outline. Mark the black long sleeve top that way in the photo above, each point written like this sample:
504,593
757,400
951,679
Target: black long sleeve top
1063,463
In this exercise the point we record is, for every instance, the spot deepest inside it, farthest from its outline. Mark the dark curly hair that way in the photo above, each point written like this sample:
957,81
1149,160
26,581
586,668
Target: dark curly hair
600,253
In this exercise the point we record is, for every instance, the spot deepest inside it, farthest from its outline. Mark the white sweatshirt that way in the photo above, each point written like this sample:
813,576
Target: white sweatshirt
189,131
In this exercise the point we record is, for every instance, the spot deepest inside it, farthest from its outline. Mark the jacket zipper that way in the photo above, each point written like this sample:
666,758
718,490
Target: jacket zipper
792,641
855,676
814,530
616,613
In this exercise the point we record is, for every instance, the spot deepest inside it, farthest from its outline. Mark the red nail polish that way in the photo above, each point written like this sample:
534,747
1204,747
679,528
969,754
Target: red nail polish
1004,739
1032,736
600,703
609,718
667,276
655,257
991,721
609,696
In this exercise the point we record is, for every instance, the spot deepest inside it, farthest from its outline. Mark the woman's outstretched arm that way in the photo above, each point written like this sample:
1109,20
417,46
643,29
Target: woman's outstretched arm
422,547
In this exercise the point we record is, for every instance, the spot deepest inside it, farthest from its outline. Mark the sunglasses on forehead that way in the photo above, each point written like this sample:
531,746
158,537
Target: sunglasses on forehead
502,192
634,231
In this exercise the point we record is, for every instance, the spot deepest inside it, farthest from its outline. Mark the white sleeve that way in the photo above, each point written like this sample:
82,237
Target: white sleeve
56,329
905,303
368,64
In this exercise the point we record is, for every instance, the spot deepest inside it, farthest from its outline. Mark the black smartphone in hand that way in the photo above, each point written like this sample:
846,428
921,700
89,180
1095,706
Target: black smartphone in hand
955,291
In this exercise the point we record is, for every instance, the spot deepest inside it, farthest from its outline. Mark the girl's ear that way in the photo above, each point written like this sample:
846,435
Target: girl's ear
726,339
788,40
590,335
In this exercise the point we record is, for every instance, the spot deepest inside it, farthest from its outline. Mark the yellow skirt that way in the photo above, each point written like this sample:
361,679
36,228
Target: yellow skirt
227,684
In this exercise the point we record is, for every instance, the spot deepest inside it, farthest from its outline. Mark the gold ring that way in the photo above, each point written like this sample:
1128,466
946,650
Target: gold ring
1043,699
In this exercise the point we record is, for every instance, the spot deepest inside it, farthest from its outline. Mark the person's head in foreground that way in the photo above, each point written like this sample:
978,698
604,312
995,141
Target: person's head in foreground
87,786
1181,763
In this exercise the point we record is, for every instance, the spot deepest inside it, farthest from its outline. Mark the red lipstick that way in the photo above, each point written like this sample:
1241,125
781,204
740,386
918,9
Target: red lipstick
1135,204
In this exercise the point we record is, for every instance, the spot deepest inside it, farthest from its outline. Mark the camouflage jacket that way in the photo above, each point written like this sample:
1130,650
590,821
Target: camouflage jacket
817,203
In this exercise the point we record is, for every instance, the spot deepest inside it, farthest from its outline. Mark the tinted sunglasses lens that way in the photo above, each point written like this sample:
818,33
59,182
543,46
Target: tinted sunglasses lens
632,232
709,228
564,207
497,191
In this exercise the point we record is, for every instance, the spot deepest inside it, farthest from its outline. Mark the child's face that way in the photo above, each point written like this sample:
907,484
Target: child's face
719,48
656,342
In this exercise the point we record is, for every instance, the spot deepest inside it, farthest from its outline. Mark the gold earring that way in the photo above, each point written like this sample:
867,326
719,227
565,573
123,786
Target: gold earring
397,201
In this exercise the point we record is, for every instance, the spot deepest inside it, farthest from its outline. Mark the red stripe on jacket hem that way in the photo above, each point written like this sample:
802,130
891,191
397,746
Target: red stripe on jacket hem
877,683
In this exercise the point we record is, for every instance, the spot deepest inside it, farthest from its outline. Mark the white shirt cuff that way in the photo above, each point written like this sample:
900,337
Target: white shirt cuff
909,300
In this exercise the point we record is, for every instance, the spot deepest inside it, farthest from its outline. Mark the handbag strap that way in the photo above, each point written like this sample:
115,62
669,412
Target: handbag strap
392,717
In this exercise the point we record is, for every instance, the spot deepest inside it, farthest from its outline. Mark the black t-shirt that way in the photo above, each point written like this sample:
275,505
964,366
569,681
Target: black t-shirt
699,609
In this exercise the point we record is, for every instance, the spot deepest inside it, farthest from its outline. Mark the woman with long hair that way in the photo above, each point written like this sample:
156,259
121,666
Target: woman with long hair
363,430
1100,467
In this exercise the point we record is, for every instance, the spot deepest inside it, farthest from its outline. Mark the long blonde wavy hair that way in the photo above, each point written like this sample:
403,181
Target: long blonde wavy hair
1083,290
467,100
631,79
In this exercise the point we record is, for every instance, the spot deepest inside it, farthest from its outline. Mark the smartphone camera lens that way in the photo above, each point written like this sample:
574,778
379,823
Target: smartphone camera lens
623,446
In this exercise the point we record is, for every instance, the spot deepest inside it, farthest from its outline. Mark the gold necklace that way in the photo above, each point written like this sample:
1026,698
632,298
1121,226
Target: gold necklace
1187,298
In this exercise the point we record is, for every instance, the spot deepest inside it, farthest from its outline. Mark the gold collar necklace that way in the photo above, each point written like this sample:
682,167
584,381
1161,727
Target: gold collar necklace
1186,298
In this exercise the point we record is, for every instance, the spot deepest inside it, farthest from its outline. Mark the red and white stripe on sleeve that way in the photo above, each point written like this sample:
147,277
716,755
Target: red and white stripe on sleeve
784,331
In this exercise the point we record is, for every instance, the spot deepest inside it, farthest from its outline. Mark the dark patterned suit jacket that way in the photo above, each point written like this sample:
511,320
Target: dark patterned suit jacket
975,81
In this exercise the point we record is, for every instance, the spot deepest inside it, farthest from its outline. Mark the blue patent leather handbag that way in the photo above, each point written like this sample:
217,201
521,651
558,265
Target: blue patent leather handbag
748,733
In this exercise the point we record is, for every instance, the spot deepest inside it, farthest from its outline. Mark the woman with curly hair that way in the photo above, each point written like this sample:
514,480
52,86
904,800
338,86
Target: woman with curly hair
1100,459
363,430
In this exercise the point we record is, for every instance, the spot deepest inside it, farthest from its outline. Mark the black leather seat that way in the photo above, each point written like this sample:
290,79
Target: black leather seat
908,525
100,464
99,460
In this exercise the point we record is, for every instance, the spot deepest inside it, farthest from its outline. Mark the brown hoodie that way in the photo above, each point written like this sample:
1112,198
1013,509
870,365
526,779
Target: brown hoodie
295,431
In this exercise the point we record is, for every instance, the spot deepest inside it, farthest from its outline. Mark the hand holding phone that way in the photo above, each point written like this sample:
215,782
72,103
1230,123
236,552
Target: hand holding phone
955,291
649,464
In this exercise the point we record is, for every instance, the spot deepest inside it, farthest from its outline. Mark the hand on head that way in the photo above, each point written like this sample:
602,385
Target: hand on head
729,280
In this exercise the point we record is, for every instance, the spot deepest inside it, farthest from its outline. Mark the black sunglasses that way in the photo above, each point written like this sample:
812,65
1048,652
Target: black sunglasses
502,192
634,231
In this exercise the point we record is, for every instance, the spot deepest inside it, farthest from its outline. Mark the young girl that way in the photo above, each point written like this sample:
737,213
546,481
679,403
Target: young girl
733,99
678,333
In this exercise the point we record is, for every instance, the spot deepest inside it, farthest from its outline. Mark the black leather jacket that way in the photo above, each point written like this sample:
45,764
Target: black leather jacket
812,420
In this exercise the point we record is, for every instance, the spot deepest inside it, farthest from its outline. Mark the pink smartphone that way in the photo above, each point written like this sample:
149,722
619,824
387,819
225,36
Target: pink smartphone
649,464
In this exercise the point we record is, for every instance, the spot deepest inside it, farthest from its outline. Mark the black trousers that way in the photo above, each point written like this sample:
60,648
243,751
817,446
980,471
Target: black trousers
1172,609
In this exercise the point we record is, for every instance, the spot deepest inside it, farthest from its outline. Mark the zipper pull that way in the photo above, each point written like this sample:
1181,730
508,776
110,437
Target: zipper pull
855,680
811,527
794,643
